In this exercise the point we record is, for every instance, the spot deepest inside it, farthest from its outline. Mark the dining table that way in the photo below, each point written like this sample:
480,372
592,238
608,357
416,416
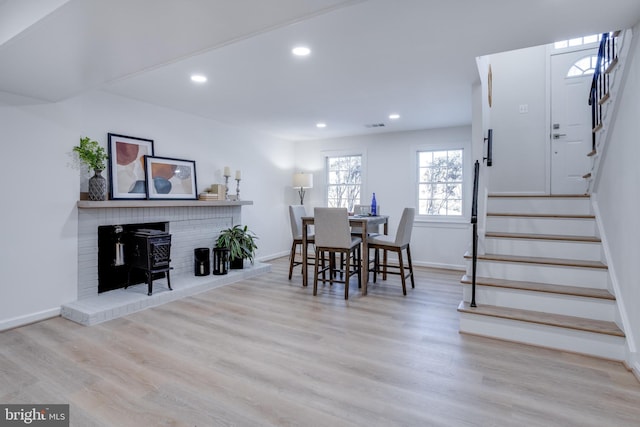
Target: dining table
365,224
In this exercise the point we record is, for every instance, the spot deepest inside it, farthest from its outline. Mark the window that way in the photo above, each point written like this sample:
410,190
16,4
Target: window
344,181
440,183
583,66
580,41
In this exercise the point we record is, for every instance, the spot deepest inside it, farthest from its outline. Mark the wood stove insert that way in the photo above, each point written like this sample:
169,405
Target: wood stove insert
119,255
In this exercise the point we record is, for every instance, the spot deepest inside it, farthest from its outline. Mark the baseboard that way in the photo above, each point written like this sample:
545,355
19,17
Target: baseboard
518,193
273,256
442,266
28,319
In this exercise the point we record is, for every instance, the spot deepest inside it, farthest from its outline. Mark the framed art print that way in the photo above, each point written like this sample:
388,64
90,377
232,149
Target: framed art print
127,166
169,178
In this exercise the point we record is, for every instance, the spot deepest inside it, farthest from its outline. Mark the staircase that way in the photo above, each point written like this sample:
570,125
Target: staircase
604,97
541,279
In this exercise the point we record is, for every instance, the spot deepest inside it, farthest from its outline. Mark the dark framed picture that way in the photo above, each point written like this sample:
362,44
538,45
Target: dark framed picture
127,166
169,178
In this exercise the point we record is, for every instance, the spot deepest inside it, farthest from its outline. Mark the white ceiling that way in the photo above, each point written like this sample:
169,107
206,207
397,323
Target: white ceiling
369,57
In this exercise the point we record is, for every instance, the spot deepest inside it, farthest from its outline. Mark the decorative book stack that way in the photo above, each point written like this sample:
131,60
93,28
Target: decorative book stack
208,196
215,192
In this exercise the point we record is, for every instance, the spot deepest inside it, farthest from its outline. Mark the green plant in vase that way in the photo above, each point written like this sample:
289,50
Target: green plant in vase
95,157
241,243
91,154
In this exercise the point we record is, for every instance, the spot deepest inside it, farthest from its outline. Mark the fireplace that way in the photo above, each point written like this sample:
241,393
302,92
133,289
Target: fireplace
129,254
193,224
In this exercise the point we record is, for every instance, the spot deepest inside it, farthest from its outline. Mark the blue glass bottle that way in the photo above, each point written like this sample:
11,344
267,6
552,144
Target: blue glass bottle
374,205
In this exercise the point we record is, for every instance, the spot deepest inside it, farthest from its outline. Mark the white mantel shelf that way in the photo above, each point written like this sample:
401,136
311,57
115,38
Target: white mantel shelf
108,204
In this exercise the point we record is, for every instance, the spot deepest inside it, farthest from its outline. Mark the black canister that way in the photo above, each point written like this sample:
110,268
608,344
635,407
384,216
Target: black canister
220,261
201,264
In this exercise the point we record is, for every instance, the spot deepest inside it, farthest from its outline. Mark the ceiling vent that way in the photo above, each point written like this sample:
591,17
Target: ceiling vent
375,125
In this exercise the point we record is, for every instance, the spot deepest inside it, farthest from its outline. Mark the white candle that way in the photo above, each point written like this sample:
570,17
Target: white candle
238,175
227,171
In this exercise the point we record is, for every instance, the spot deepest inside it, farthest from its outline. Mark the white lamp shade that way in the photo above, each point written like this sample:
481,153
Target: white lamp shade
302,180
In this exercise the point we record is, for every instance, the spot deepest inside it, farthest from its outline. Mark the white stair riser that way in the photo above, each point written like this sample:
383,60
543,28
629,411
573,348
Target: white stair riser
570,227
599,345
558,275
544,248
591,308
569,205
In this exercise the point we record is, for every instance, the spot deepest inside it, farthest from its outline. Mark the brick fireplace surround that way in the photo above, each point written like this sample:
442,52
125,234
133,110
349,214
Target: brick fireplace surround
192,224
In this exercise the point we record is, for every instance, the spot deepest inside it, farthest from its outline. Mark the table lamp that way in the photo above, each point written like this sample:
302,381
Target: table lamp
301,181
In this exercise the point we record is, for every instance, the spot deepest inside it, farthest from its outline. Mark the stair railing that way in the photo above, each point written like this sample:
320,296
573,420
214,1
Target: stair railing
474,222
601,82
605,85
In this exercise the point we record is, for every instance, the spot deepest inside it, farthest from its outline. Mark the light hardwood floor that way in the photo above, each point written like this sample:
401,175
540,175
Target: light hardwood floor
265,351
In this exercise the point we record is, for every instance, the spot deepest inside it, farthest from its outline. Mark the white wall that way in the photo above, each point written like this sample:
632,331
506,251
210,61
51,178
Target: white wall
618,198
520,141
41,189
38,215
480,125
390,172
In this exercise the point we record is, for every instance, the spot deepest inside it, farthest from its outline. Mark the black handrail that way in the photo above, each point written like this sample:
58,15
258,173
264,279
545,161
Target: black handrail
474,221
600,84
489,141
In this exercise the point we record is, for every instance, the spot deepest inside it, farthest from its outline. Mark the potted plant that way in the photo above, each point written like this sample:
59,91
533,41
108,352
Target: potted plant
94,156
241,244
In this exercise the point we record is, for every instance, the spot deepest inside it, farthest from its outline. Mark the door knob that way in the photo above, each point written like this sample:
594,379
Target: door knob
558,135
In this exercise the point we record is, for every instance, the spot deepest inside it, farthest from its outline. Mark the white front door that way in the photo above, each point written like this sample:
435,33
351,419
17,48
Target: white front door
570,120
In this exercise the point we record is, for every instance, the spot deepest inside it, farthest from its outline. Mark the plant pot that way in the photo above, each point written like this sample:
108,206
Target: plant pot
97,186
237,263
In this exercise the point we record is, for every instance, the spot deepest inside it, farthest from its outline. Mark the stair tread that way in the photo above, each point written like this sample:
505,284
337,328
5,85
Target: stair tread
542,287
558,320
541,215
540,260
593,239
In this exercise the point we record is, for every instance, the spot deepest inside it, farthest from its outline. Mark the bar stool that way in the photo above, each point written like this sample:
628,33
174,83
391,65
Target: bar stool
332,235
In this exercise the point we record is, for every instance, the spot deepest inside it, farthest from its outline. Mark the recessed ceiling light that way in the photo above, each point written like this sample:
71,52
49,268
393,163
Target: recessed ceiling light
301,51
321,125
198,78
394,116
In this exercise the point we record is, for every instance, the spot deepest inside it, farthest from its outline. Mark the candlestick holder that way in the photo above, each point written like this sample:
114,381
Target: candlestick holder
226,187
237,189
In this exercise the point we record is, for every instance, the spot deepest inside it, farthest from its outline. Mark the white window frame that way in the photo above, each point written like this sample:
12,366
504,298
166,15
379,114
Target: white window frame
467,182
332,154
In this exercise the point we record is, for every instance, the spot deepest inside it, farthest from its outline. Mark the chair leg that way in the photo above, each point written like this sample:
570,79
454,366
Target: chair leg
376,264
346,275
292,256
401,263
385,261
359,264
315,276
332,267
323,266
360,261
413,283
